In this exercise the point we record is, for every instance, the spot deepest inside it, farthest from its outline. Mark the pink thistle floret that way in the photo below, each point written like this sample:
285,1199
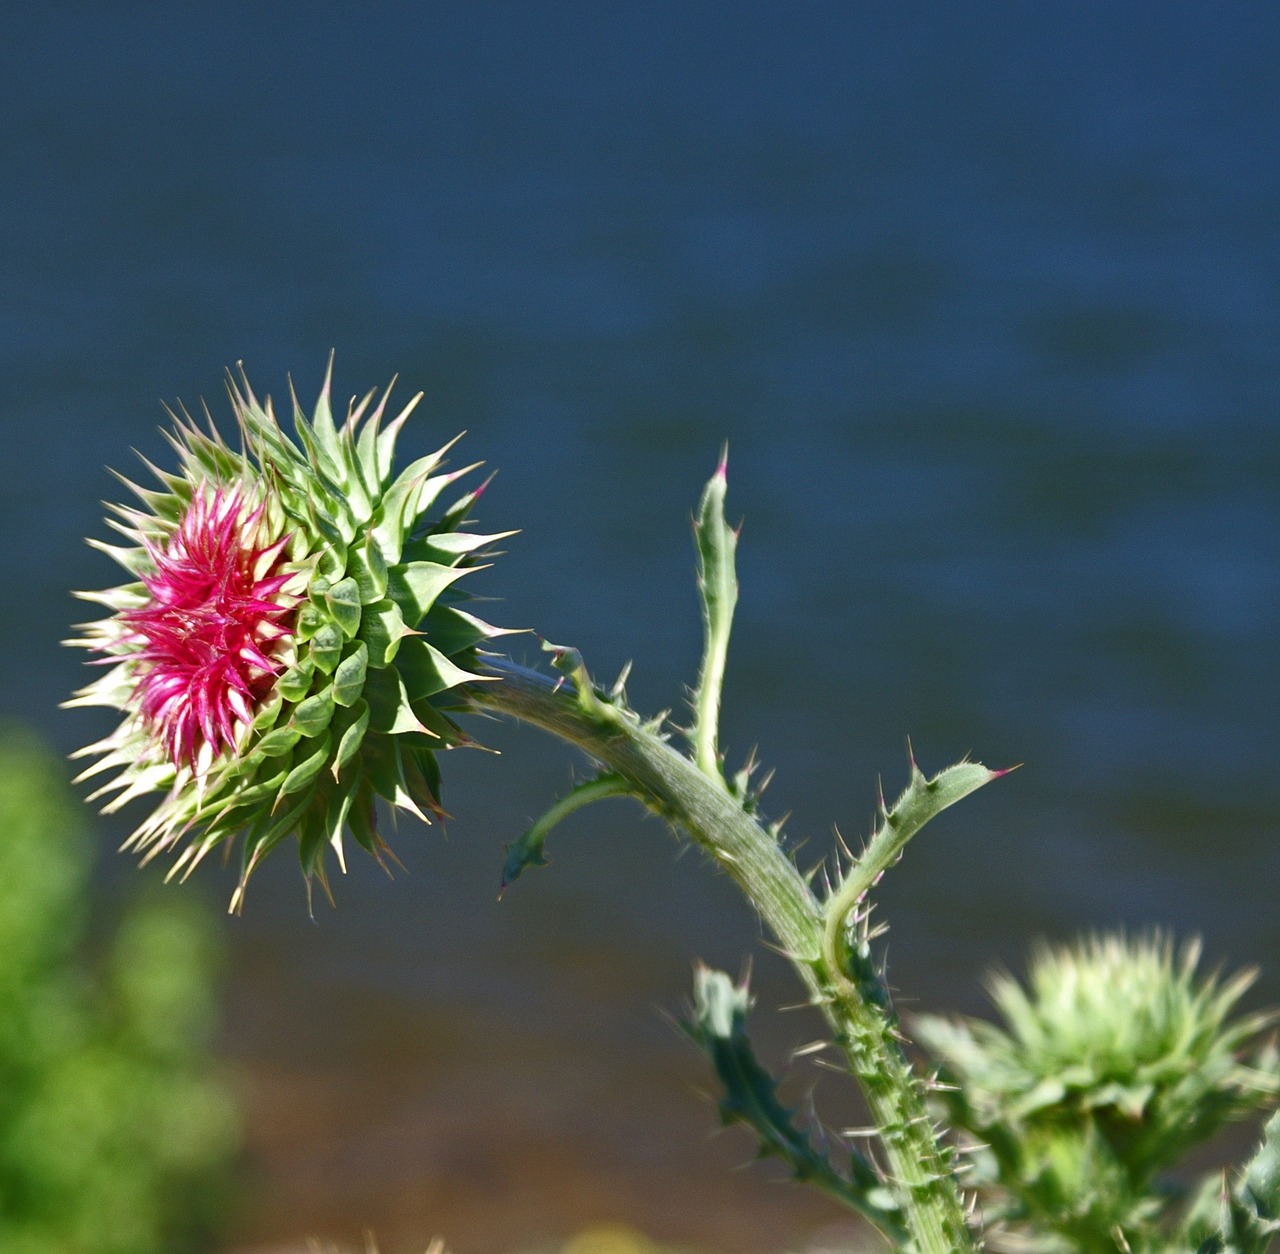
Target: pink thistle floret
210,635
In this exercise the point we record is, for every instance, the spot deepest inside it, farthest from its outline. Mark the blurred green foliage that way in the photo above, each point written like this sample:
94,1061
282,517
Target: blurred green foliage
114,1137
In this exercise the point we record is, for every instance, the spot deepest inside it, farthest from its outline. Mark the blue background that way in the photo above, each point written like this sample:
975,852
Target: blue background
985,299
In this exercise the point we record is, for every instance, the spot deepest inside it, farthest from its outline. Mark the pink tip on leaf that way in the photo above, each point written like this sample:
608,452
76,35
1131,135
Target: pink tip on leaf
479,491
1007,770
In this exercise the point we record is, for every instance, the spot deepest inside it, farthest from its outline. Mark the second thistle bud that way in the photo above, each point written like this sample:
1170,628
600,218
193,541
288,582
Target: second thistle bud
292,637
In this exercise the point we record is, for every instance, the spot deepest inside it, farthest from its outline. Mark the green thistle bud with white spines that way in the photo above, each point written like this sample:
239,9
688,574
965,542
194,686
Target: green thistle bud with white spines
292,639
1117,1058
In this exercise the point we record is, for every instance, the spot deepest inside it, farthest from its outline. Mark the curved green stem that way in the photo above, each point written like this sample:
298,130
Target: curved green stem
917,1165
527,851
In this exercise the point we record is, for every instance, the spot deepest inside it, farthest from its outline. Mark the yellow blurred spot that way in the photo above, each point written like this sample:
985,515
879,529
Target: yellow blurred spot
612,1239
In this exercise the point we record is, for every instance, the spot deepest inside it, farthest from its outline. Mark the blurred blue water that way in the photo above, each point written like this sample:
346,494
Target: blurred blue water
985,299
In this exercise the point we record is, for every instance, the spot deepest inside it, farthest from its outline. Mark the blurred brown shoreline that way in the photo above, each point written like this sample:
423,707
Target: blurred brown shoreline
364,1112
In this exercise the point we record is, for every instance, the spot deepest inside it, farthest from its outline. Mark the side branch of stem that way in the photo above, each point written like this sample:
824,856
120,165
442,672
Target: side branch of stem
917,1167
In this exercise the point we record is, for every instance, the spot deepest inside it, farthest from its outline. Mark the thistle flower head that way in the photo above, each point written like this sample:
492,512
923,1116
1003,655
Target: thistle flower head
1114,1059
291,638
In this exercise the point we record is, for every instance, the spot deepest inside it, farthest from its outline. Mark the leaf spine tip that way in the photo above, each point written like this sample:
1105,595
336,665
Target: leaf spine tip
722,467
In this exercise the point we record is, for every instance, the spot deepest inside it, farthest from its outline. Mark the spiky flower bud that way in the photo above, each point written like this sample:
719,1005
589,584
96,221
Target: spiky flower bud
291,639
1122,1029
1115,1059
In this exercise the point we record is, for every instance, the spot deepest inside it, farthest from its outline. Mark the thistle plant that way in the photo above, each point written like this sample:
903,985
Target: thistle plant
292,637
1114,1061
294,644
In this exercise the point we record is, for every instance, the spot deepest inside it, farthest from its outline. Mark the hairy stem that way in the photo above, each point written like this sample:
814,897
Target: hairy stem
917,1165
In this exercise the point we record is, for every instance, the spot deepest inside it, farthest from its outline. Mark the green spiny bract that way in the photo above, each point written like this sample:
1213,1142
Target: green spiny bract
1112,1062
1248,1214
719,1026
292,639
